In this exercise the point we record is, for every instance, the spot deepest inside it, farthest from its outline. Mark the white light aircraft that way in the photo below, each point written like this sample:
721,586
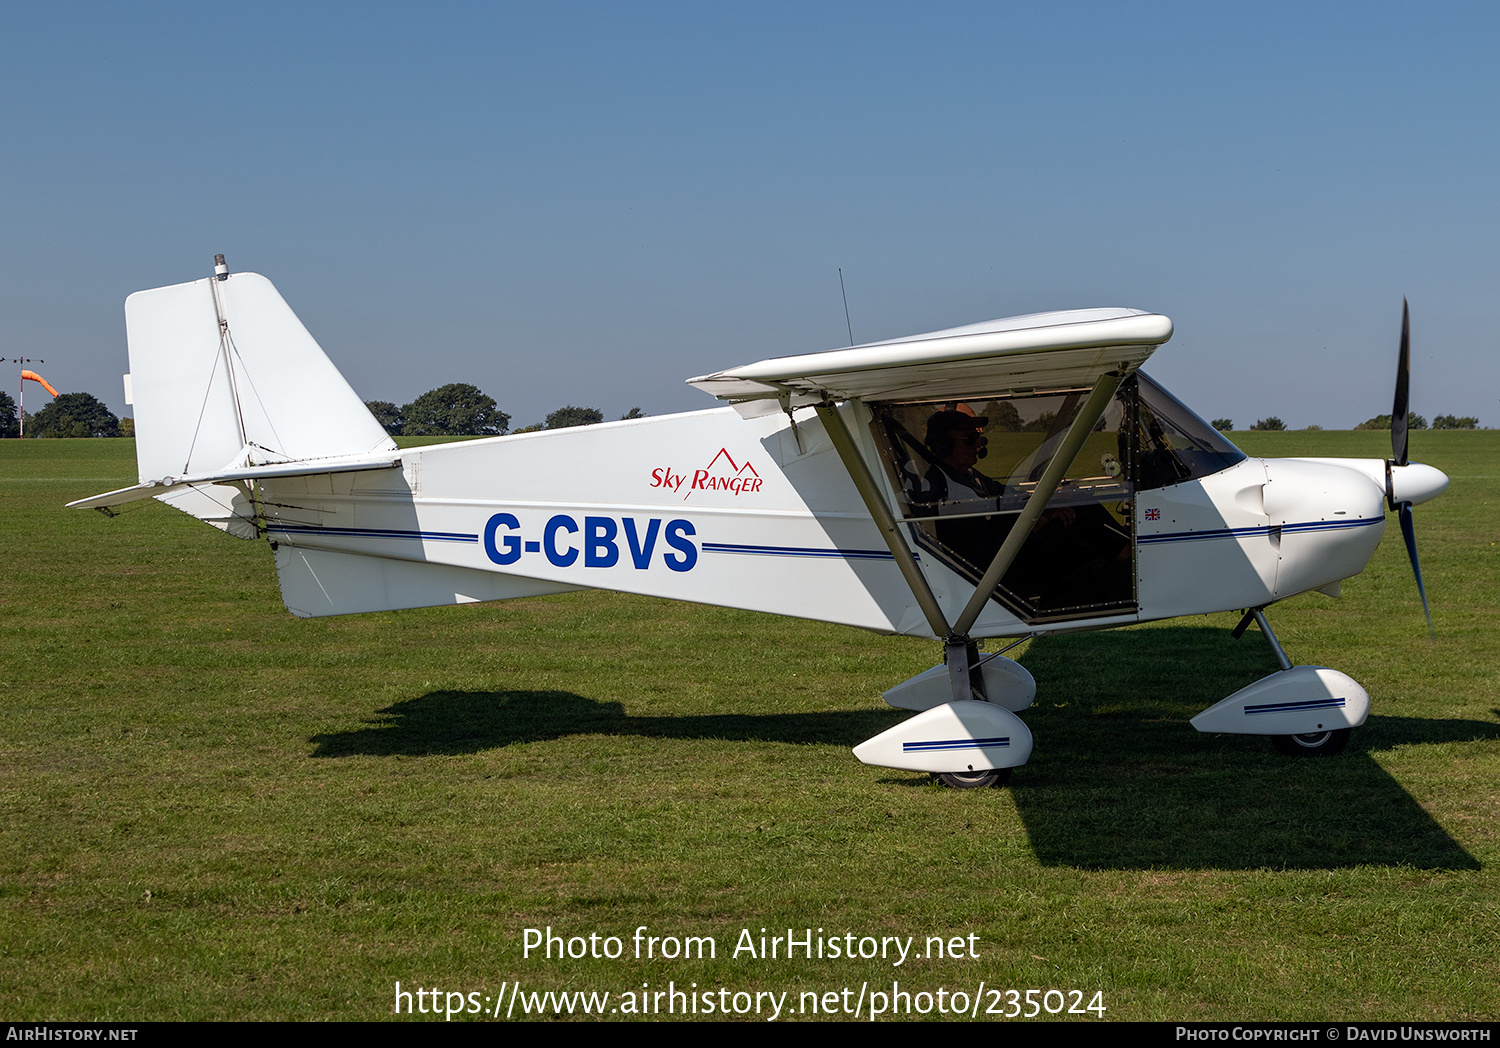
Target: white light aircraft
1008,479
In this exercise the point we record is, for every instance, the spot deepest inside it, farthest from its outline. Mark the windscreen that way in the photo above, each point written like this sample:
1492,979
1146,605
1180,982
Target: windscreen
1175,444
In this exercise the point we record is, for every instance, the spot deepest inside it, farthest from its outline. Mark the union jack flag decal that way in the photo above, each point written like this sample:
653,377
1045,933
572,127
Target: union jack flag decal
1153,514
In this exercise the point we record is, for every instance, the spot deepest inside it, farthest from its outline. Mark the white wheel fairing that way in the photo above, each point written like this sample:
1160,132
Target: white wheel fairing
1304,700
1006,683
959,737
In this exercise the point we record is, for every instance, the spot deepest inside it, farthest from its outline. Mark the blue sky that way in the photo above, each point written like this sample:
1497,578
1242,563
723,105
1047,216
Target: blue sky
589,203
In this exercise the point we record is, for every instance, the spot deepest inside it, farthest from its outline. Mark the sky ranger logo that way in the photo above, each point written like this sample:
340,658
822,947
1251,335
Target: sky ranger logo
722,474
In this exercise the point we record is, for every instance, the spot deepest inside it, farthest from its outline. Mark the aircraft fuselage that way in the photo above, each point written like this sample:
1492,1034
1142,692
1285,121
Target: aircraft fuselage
714,508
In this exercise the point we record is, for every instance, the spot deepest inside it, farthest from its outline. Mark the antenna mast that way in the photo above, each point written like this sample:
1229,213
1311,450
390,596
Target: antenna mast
846,306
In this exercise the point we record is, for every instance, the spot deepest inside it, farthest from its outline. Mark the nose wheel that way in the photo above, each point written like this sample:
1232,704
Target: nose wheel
1313,744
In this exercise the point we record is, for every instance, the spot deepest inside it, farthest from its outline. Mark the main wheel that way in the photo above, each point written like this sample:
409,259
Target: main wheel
972,780
1313,744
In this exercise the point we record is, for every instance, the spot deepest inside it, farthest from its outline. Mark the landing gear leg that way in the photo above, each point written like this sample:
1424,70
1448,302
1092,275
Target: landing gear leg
1298,697
962,656
1258,616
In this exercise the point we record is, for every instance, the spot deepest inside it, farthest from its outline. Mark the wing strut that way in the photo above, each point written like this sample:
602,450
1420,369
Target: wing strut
890,530
1067,451
961,653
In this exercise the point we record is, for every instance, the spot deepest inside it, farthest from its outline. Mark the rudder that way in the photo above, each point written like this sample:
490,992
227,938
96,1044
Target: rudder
223,374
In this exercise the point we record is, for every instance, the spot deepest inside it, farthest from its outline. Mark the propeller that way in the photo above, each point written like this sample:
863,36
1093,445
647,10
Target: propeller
1401,408
1399,442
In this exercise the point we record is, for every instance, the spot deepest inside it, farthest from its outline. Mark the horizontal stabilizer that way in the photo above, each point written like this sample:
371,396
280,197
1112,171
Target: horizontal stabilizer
166,485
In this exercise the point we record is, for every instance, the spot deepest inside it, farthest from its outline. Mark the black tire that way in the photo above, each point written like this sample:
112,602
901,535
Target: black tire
1314,744
972,780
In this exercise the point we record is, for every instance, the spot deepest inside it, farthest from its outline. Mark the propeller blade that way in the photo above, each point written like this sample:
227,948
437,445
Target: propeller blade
1410,535
1403,384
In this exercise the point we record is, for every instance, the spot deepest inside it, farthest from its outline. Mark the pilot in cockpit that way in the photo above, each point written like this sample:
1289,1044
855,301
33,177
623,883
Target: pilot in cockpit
1077,553
957,441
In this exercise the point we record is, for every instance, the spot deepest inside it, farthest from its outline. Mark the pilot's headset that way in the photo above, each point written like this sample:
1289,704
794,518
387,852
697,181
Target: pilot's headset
942,426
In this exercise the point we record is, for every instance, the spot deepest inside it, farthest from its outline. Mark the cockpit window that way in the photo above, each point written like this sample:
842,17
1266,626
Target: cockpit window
966,468
1173,443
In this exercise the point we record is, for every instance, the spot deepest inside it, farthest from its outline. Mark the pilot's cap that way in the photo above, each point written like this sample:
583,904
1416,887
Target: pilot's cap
946,422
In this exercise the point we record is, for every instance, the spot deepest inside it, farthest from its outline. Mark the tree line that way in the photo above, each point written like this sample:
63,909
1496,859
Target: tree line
461,410
68,415
455,410
1413,421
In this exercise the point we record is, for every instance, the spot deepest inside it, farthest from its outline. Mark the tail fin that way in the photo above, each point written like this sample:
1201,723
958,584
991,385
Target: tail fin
224,376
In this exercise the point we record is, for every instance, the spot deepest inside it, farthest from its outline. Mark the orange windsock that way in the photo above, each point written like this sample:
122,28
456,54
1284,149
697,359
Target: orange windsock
38,378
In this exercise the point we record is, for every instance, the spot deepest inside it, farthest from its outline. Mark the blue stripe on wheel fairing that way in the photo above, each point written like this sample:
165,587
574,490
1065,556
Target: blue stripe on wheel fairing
956,744
1294,707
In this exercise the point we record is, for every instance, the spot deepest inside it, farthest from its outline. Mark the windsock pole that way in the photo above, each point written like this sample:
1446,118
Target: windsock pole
34,377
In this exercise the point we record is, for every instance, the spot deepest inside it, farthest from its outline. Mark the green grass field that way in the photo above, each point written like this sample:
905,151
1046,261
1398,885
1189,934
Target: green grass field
212,810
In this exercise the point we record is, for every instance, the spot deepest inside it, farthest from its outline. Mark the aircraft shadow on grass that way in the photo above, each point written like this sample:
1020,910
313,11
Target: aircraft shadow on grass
1123,782
472,721
1126,782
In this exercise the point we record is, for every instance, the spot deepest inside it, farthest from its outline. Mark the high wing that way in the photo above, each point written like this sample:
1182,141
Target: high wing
1062,350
